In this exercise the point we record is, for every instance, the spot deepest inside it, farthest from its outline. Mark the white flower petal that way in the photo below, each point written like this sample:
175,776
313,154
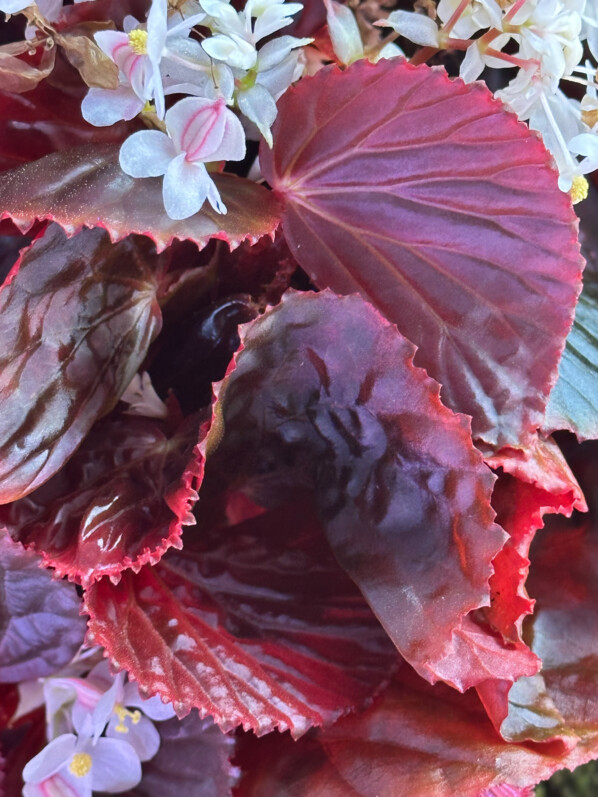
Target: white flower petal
49,760
273,19
142,735
146,154
278,79
472,65
115,766
185,188
232,50
153,707
258,105
276,50
196,126
14,6
112,42
103,107
344,32
585,144
417,28
232,146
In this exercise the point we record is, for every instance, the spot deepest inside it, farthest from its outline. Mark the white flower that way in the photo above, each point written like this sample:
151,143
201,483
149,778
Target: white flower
418,28
277,66
199,131
479,14
138,52
235,33
76,766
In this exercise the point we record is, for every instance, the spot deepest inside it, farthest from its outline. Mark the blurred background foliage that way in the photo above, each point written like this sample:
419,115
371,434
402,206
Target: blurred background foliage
583,782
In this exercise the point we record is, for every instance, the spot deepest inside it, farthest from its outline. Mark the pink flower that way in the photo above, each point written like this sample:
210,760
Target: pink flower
199,131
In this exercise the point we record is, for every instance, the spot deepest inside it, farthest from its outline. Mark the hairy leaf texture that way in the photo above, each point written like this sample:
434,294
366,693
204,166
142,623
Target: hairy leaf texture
119,502
254,624
430,199
40,626
324,396
85,186
193,761
416,740
76,319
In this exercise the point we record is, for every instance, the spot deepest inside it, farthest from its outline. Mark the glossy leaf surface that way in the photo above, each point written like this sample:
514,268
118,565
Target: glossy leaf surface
85,186
76,319
415,740
443,210
40,626
254,624
324,396
118,503
193,761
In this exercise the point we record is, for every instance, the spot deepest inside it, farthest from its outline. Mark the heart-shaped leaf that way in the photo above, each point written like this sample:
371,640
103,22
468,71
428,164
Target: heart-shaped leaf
324,396
429,198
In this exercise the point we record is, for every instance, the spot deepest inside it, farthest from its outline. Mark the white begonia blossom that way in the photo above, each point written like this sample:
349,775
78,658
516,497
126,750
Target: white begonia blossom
346,36
138,52
549,30
236,34
76,766
199,131
479,15
277,66
418,28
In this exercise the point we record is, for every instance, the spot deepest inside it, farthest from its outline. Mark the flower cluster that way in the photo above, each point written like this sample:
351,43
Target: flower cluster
548,37
229,69
99,731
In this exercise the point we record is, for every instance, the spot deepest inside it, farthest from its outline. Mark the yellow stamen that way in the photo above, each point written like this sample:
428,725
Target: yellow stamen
122,713
579,189
80,764
138,41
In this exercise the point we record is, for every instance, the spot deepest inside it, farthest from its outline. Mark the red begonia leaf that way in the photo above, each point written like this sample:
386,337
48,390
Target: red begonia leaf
9,700
119,502
443,210
19,744
76,319
417,740
324,395
254,624
85,186
559,703
539,485
40,626
193,761
48,119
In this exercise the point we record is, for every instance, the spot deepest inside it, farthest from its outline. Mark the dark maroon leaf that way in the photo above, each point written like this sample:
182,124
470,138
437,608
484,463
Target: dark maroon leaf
48,119
324,396
416,740
193,761
85,186
76,319
254,624
19,744
118,503
40,626
443,210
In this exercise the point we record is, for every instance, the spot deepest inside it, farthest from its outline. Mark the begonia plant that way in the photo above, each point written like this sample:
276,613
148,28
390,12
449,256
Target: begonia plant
298,397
